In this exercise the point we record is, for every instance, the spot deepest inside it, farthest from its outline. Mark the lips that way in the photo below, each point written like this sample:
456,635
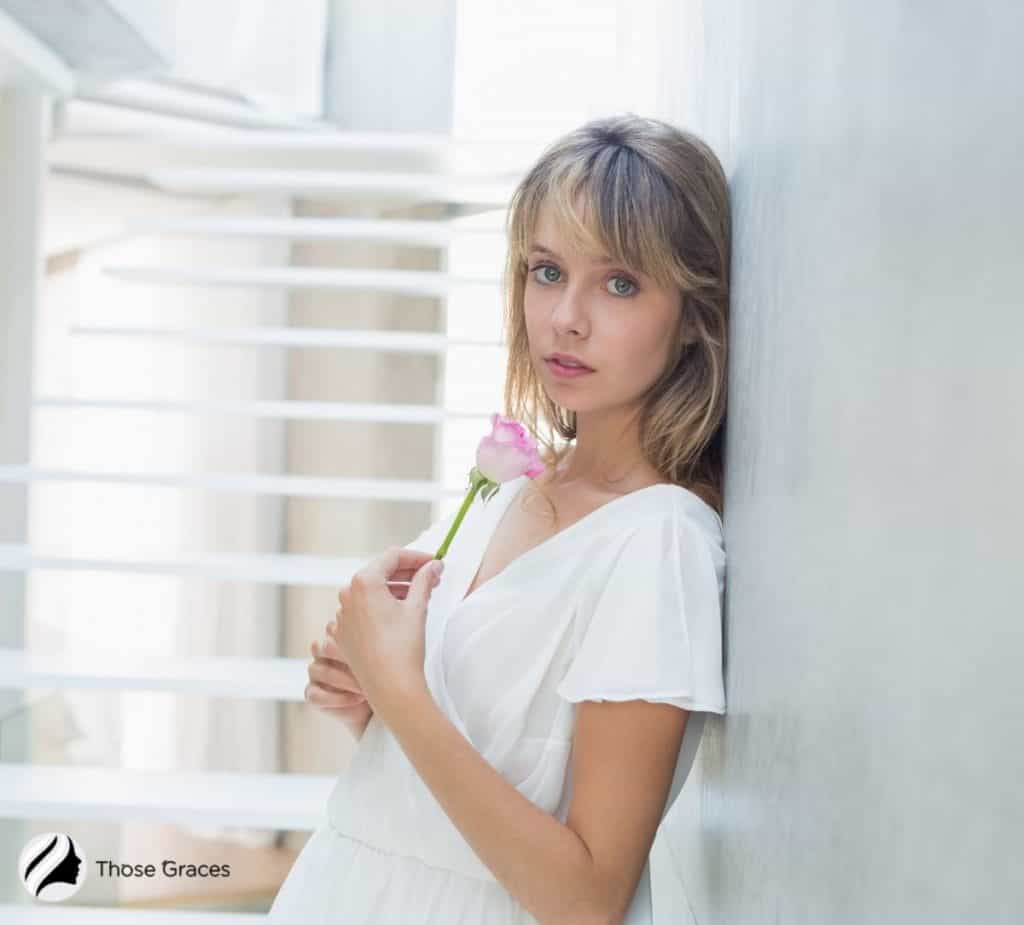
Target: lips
568,361
567,372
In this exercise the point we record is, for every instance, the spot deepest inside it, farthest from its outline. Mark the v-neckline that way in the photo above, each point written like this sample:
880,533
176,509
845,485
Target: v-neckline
488,539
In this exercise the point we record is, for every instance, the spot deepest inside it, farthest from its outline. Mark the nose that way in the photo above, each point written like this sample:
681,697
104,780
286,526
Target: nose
569,315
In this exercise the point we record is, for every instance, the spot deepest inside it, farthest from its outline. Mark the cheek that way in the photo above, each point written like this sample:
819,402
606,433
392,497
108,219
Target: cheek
639,355
634,342
534,317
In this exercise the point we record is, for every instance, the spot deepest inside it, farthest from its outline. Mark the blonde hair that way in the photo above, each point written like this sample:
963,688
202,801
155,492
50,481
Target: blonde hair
656,199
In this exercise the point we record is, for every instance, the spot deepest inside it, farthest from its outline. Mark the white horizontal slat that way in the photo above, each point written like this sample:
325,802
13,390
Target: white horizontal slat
289,410
250,483
322,137
283,569
88,131
212,676
319,136
68,914
99,136
271,801
404,282
162,98
372,231
377,184
384,341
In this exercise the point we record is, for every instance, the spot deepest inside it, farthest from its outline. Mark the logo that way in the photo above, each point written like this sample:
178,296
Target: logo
52,867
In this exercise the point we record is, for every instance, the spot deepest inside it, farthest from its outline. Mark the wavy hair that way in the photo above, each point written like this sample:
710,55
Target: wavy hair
655,198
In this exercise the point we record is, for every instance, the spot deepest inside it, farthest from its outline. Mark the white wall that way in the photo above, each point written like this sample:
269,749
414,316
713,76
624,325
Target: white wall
869,768
390,65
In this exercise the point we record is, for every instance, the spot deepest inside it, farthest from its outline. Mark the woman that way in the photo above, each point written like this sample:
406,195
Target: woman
525,721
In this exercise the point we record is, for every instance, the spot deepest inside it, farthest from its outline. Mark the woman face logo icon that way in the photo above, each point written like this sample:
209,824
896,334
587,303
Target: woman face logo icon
52,867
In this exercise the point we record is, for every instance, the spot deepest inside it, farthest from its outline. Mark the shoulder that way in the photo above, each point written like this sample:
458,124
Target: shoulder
648,613
672,528
659,571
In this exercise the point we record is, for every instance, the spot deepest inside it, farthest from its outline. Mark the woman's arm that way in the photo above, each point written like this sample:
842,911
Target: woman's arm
542,863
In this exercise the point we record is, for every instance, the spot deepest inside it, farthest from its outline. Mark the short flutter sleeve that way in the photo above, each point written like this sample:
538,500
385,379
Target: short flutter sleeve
649,618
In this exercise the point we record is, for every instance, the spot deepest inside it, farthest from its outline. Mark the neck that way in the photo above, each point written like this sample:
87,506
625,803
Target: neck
606,454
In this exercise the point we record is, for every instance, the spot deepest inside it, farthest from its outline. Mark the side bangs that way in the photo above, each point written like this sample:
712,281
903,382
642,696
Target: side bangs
611,205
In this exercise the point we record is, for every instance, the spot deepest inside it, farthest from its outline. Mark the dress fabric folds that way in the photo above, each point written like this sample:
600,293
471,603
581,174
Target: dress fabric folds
623,604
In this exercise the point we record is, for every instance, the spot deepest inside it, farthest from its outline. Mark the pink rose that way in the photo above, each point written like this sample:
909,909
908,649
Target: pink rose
507,452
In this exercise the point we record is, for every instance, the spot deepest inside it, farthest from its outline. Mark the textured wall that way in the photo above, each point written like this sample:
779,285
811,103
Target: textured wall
869,769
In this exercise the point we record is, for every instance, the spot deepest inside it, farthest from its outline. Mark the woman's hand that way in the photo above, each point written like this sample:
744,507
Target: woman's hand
398,585
381,634
333,688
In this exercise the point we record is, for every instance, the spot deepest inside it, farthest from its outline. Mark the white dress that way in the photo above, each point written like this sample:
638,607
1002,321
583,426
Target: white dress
622,604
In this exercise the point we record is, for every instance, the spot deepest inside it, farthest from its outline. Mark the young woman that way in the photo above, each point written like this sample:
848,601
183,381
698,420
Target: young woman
526,722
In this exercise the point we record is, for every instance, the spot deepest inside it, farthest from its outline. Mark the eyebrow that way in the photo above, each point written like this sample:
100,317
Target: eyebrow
547,250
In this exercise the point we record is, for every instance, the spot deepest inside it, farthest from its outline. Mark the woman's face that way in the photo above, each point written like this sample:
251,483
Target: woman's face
616,321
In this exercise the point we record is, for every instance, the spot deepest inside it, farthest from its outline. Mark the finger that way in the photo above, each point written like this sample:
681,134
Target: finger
399,589
328,648
355,709
338,699
343,692
331,631
423,583
319,697
405,574
331,696
320,658
379,569
409,563
333,677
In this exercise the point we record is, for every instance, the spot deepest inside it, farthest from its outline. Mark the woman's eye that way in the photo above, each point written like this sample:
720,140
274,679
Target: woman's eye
544,266
623,279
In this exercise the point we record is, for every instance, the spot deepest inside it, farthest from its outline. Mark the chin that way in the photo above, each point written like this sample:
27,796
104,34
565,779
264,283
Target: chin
580,407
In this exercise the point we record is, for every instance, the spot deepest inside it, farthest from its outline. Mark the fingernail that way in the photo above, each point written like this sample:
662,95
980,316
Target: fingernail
437,566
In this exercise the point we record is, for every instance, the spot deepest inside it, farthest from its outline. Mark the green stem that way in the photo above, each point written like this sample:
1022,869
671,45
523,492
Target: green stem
478,482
